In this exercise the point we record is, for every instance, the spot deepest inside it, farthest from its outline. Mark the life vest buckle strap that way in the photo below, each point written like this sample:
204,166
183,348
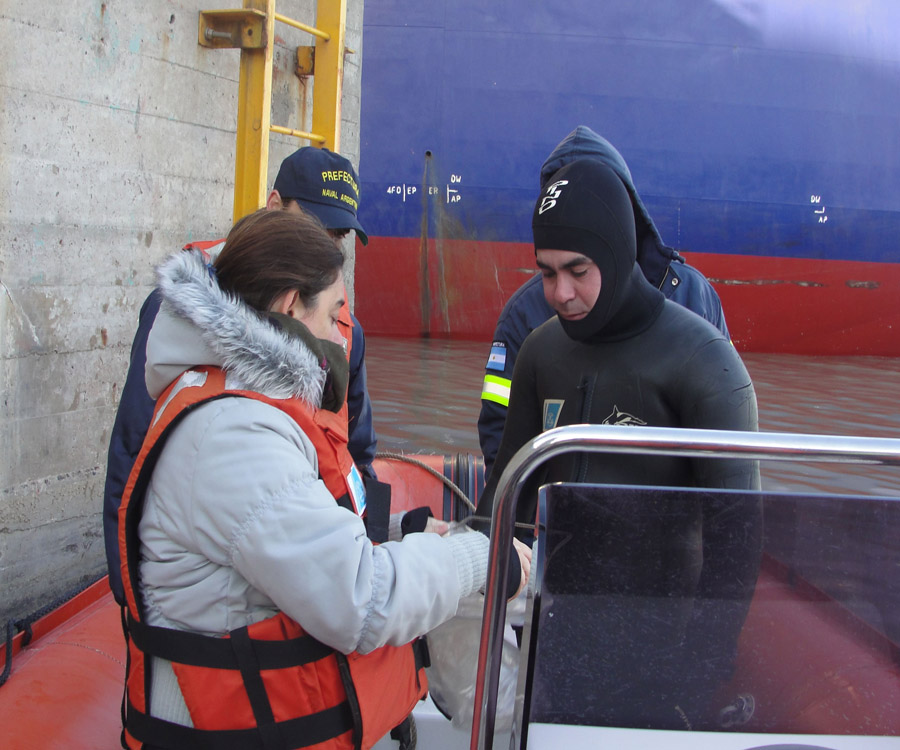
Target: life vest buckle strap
295,733
352,699
256,689
198,650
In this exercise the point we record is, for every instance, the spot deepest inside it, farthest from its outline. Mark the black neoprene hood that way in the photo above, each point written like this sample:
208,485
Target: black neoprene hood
585,208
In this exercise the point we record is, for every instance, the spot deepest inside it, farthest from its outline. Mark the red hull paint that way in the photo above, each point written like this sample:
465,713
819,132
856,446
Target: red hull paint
468,283
456,289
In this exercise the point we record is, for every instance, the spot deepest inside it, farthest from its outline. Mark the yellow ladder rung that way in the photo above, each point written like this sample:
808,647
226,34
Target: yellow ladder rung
303,27
298,133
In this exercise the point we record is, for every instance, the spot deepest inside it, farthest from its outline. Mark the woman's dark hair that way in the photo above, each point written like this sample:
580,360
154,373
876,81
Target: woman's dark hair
268,253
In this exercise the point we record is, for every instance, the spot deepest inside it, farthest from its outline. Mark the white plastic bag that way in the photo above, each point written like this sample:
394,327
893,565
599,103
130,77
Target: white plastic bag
453,648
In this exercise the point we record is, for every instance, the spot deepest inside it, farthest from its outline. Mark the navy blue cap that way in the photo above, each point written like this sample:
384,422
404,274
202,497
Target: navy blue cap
325,184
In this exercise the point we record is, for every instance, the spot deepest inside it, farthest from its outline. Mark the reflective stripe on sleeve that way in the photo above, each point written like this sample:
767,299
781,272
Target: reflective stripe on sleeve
496,389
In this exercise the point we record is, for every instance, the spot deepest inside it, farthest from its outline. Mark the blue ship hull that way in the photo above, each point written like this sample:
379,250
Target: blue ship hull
754,132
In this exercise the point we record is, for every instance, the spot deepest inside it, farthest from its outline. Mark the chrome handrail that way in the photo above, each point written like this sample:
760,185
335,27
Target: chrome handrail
776,446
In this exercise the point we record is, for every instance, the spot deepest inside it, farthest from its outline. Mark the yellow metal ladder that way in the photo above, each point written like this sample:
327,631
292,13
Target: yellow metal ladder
252,30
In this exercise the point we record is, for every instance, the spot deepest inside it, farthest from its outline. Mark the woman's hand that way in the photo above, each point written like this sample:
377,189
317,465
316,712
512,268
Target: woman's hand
436,526
524,552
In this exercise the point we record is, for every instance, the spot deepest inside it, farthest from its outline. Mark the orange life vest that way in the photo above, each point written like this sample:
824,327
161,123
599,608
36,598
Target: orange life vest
269,685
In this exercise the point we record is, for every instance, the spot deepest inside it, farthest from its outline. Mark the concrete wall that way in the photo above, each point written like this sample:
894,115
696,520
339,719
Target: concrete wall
117,141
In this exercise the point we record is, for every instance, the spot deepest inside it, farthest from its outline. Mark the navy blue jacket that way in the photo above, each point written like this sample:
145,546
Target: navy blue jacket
136,410
527,309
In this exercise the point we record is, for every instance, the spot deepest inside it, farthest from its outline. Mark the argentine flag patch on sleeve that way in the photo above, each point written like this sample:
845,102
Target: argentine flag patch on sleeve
497,358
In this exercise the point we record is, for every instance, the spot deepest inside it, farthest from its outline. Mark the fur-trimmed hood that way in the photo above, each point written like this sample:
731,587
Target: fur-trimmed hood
200,324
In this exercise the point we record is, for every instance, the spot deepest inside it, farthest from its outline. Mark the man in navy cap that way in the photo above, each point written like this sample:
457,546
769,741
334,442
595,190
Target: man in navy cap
311,180
322,183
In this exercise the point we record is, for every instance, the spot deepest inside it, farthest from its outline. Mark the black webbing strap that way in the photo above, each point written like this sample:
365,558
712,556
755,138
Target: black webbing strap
256,689
295,733
421,653
123,611
352,699
345,502
378,509
197,650
405,733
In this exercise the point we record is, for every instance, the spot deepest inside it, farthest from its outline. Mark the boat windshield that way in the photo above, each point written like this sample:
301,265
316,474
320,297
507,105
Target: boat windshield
714,610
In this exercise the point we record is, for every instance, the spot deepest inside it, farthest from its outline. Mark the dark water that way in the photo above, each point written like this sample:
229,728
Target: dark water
426,399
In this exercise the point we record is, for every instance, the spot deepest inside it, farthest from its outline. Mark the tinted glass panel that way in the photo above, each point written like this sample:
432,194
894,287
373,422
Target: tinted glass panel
716,610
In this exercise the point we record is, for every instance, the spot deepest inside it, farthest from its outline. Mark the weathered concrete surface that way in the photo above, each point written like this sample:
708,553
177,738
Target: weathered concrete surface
117,141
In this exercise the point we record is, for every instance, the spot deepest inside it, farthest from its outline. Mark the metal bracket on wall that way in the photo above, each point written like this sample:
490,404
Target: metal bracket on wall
237,28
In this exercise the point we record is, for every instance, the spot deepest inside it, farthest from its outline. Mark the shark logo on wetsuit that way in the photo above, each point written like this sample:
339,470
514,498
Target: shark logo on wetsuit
622,417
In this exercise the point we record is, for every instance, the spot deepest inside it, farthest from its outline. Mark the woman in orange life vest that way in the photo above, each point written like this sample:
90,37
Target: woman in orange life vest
260,613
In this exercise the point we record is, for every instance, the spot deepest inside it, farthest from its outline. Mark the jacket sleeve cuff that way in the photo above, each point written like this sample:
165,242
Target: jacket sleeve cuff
470,550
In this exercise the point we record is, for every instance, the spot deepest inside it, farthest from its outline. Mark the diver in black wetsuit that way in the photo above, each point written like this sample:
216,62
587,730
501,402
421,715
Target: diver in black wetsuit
618,352
527,308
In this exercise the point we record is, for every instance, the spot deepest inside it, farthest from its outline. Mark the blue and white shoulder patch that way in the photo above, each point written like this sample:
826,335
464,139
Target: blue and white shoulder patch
497,358
552,409
357,490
